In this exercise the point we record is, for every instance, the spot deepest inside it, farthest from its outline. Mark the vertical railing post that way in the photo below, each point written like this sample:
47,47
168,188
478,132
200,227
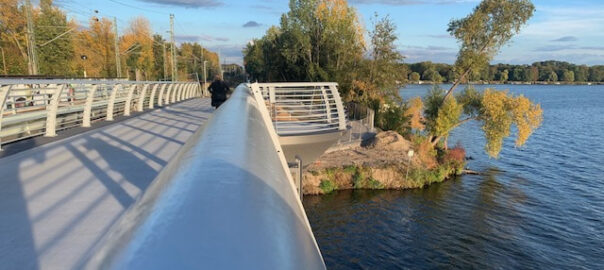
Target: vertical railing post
183,94
162,93
327,104
4,91
128,103
167,95
111,103
141,98
174,91
152,97
88,106
177,93
51,112
339,106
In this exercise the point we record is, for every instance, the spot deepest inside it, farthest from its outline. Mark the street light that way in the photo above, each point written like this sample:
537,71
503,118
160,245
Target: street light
84,57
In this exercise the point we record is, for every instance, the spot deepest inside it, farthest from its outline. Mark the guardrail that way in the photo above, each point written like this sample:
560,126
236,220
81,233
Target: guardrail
31,108
303,108
225,201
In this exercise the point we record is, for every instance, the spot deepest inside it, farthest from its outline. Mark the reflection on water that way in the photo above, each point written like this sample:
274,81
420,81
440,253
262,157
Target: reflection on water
541,206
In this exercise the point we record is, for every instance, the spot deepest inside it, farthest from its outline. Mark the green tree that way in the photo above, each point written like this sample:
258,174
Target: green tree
482,33
432,76
414,77
581,73
503,76
12,36
568,76
54,40
552,77
385,73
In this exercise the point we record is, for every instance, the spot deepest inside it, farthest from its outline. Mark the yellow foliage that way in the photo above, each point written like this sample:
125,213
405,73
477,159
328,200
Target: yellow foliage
448,117
97,43
139,32
364,91
414,110
500,110
527,117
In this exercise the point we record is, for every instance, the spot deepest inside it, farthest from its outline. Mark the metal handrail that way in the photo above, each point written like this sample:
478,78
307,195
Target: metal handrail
225,201
32,107
303,108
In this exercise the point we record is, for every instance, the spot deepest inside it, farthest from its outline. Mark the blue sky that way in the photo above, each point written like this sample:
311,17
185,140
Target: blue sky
560,29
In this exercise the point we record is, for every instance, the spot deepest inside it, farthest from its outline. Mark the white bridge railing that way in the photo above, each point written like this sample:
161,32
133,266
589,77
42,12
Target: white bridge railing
226,201
31,108
303,108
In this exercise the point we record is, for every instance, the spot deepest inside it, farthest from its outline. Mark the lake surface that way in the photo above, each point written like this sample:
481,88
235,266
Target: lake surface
538,207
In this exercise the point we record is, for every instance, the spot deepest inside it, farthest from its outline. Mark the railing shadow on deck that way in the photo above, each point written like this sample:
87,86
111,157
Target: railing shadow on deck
47,188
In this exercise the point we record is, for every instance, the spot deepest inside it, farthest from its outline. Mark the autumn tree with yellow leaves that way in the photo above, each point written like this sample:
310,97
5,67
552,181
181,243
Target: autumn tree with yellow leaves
136,46
97,44
481,34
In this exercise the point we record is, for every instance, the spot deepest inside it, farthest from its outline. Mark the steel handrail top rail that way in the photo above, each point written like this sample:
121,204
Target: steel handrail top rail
4,81
226,201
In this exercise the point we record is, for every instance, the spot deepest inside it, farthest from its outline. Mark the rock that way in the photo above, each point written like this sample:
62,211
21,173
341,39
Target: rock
389,140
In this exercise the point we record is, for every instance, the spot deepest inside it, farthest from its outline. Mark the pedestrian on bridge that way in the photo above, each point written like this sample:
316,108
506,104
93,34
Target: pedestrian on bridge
219,90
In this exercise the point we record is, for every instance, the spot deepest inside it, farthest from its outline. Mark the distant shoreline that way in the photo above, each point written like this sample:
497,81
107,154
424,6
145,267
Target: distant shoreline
515,83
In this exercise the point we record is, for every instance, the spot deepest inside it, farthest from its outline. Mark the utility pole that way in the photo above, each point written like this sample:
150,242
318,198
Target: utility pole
205,73
31,41
118,62
165,63
174,68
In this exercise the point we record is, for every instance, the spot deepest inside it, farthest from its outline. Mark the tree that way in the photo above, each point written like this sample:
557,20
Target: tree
432,76
552,77
385,69
137,46
503,76
496,111
568,76
160,65
53,38
414,77
12,36
482,33
97,44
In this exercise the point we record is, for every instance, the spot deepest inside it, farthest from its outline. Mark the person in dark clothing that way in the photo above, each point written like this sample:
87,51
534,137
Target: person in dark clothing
219,90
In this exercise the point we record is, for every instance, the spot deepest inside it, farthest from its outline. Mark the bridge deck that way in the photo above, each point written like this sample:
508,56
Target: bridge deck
57,200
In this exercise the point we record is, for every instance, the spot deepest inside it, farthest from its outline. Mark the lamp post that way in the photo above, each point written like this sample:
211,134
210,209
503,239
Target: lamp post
84,57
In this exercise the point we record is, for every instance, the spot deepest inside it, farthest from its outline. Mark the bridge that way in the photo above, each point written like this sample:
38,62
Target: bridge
146,175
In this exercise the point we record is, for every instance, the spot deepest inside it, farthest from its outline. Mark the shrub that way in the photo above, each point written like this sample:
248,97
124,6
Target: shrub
392,116
327,186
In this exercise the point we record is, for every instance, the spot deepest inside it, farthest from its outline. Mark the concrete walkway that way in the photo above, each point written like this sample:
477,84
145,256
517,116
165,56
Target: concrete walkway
57,200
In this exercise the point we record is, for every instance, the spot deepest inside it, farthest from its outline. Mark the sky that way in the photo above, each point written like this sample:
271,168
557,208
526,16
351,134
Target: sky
563,30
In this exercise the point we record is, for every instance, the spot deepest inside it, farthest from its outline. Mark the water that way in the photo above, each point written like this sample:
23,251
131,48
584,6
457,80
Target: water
538,207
